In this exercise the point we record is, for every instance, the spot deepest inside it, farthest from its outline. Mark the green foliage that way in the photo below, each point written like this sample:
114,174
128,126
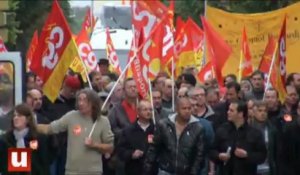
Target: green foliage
250,6
195,8
12,24
31,16
79,15
189,8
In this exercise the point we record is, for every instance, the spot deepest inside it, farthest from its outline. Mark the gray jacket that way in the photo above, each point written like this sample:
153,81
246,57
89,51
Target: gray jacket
118,120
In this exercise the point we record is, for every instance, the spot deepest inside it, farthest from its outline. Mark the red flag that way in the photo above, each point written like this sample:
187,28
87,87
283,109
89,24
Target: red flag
2,46
218,50
145,15
148,54
266,59
111,53
205,73
280,64
188,46
140,71
86,51
33,44
179,26
168,38
55,52
89,22
245,68
152,51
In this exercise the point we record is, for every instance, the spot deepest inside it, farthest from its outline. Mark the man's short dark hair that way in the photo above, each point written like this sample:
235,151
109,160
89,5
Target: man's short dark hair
290,78
188,79
241,107
272,89
258,72
126,80
234,85
232,76
93,74
30,74
103,61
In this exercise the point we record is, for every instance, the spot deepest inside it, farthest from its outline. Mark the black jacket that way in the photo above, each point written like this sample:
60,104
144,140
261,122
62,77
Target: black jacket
220,114
290,156
272,144
39,160
183,156
133,138
245,137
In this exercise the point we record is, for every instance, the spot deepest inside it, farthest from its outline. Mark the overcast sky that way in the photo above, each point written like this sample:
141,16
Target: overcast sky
97,3
80,3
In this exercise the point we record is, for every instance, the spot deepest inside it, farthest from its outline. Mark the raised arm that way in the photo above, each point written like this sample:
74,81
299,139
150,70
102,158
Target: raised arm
56,126
43,128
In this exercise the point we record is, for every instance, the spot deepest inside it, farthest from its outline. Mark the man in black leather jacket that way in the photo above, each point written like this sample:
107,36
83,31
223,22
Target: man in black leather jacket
238,148
177,144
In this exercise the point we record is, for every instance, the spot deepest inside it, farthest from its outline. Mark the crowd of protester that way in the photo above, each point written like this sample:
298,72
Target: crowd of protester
239,129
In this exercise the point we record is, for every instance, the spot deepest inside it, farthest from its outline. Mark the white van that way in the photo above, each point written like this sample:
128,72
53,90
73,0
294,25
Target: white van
118,19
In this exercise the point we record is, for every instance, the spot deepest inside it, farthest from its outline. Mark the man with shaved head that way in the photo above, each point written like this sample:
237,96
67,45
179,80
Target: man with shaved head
177,145
136,138
34,100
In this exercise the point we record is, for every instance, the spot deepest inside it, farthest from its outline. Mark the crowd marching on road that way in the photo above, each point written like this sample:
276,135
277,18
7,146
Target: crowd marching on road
241,130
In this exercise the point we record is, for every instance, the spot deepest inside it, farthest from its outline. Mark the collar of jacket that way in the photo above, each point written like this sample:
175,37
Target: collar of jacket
243,126
209,111
192,119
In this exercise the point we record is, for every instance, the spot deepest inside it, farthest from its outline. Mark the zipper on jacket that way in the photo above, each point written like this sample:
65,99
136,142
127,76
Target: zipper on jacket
177,144
176,162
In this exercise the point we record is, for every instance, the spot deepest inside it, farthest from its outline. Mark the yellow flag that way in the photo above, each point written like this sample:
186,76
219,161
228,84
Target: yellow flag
259,26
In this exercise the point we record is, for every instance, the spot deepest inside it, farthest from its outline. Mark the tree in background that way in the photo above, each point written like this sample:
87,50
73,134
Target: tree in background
29,16
251,6
12,25
195,8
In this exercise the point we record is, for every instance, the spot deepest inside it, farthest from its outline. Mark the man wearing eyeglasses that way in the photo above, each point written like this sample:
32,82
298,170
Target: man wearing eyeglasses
136,139
201,111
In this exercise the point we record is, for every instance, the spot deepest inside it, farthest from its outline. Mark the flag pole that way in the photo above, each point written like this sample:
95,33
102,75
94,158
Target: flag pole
84,66
240,67
204,42
151,101
271,69
173,85
118,80
92,16
123,73
112,90
86,73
